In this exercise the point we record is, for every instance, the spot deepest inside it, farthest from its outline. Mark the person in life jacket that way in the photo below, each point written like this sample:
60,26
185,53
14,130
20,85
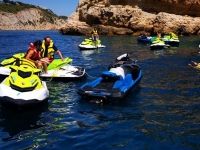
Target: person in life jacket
33,53
48,50
95,36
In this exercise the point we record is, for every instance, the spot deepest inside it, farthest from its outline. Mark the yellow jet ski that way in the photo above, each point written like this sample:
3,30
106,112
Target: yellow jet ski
23,87
88,44
57,69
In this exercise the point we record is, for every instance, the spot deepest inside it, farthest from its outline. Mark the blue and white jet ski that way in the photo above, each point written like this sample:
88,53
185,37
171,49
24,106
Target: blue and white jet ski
144,39
122,76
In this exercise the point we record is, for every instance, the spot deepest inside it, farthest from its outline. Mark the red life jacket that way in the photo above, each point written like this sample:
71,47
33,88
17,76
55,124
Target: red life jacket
35,55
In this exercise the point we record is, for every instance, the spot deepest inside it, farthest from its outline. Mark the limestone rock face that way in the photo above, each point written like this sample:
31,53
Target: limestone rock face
29,19
125,19
75,27
178,7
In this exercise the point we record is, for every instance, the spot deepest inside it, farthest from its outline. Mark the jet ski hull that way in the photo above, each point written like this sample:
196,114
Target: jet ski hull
101,95
64,73
10,96
159,46
90,47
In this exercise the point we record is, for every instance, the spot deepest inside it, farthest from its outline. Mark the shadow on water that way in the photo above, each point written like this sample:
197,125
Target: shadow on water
14,121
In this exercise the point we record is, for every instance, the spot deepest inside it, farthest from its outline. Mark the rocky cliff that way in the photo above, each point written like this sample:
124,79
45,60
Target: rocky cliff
132,17
29,19
178,7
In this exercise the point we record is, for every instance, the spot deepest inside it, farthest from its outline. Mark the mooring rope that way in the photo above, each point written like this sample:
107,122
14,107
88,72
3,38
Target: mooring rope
89,75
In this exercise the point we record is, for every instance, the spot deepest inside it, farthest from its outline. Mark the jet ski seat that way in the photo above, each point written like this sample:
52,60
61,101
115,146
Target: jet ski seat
116,73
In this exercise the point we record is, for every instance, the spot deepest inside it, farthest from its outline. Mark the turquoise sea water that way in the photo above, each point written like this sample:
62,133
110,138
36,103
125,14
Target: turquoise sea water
163,112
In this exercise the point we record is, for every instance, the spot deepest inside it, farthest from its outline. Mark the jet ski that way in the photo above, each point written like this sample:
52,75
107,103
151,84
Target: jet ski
88,44
144,39
115,84
171,39
158,44
63,70
6,63
23,87
57,69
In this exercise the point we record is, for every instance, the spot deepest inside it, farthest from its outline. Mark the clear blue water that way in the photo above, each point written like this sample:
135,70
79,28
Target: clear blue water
163,112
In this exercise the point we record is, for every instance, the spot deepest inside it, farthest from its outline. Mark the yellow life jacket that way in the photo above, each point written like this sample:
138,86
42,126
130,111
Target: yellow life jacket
50,50
95,32
198,66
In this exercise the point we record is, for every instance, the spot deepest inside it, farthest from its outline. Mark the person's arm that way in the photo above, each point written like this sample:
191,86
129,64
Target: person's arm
195,67
92,35
60,54
39,53
58,51
29,55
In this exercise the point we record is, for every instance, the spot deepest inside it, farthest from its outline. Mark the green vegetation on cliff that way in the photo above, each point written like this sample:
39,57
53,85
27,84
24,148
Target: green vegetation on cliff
14,7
